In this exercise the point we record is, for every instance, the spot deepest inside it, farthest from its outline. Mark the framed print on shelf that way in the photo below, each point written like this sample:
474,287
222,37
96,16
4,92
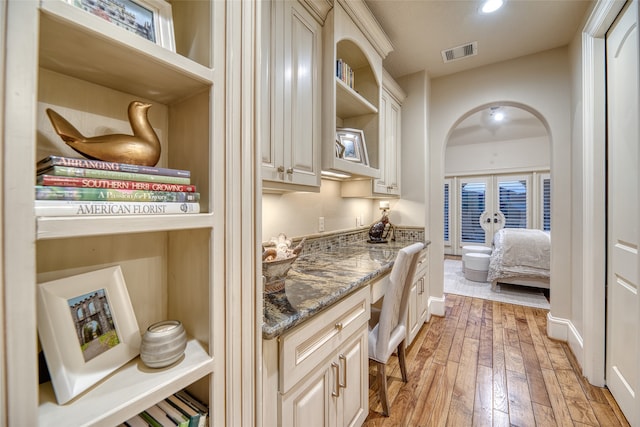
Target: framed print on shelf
87,329
150,19
355,148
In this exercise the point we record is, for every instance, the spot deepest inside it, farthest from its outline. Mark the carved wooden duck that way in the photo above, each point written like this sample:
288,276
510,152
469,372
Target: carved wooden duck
141,148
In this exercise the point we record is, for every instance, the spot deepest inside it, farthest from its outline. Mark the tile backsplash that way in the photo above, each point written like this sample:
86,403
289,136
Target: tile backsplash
328,241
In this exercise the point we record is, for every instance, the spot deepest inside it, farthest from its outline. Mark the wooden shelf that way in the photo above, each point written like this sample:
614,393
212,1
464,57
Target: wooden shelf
127,392
67,227
118,59
350,103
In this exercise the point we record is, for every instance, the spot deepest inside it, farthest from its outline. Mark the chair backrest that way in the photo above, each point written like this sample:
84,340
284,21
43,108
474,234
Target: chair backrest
393,314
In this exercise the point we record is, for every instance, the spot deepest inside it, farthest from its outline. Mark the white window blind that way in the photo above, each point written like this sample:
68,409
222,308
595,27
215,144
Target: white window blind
446,212
513,203
473,202
546,204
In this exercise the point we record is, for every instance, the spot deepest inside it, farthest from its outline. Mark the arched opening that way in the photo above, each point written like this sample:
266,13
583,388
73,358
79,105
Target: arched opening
497,174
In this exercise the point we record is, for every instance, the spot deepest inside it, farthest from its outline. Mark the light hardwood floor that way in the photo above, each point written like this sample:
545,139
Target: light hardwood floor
490,364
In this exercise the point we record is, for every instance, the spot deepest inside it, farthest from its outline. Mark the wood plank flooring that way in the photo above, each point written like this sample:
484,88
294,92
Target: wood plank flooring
490,364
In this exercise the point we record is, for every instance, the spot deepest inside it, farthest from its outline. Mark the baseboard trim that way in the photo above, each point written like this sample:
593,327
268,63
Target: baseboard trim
436,306
564,330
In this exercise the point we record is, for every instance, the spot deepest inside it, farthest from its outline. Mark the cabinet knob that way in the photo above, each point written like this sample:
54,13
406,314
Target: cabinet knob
280,169
290,171
339,326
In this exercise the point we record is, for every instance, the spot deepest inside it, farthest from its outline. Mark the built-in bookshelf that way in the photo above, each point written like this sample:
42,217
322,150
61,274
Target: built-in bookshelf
353,57
88,70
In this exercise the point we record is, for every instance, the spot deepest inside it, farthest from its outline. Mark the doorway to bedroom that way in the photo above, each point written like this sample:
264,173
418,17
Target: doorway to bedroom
476,207
497,163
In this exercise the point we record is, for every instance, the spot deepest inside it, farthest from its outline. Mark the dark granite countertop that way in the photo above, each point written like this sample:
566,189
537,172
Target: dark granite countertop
318,280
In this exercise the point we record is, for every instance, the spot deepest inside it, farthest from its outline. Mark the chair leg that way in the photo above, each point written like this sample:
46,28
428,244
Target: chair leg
382,388
402,361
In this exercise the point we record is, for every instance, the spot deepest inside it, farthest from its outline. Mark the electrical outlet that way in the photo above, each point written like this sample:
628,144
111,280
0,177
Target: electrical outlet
321,223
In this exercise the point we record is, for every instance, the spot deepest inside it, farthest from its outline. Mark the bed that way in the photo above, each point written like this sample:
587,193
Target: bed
520,257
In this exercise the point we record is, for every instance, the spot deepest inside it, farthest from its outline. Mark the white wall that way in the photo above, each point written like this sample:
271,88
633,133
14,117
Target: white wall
296,214
526,154
542,84
411,207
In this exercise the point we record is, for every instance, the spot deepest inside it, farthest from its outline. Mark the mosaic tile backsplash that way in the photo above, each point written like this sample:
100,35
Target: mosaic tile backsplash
330,241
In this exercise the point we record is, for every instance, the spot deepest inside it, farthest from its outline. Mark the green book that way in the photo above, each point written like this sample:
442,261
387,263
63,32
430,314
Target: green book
46,192
110,174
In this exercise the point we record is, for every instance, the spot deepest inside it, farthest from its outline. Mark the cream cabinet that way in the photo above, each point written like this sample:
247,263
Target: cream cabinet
387,184
319,369
353,36
291,152
418,299
87,69
390,144
335,393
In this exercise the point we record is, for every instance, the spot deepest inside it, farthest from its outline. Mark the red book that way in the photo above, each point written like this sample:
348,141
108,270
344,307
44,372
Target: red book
114,184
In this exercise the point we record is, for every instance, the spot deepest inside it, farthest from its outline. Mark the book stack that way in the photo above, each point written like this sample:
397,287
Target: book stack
67,186
344,73
180,409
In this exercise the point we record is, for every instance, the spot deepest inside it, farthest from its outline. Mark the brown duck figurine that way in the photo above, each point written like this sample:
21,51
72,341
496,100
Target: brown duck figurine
141,148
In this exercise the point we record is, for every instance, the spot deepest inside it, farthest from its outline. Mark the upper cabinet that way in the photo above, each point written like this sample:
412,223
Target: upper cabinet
88,70
291,151
389,147
354,47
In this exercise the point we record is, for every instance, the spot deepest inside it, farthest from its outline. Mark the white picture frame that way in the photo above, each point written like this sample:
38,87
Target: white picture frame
355,148
87,329
150,19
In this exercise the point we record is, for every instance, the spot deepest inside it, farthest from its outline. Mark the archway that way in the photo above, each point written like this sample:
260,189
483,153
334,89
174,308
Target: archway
497,174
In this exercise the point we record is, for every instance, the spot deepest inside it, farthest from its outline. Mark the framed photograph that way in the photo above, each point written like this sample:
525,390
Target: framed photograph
150,19
87,329
339,149
355,149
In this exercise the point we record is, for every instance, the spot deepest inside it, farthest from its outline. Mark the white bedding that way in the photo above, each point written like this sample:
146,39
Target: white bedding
520,253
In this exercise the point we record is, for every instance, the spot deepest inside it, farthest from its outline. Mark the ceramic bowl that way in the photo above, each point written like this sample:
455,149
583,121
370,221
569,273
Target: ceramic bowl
163,343
275,272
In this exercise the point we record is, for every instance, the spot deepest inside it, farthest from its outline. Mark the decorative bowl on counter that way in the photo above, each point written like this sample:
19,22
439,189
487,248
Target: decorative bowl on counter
275,272
276,262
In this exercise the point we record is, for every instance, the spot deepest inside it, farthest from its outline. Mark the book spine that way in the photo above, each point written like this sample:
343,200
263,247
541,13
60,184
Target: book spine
80,208
101,194
106,174
116,184
113,166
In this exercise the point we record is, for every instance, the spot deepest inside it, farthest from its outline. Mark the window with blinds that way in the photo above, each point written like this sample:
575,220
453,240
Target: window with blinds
473,202
446,212
546,204
513,203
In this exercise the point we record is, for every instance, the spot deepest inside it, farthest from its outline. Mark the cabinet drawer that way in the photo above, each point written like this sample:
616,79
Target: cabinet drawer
304,348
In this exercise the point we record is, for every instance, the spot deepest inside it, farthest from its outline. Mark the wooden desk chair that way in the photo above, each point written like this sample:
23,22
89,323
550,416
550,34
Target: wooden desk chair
387,326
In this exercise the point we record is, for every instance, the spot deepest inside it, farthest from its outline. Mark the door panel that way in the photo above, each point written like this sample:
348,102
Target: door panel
623,302
473,202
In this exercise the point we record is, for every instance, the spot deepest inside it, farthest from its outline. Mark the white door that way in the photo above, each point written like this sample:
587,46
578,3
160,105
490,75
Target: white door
623,302
490,203
472,211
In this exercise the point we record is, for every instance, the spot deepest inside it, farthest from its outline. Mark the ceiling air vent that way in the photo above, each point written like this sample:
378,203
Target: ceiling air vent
460,52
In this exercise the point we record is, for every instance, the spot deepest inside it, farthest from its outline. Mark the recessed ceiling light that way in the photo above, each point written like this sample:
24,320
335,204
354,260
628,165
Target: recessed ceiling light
490,6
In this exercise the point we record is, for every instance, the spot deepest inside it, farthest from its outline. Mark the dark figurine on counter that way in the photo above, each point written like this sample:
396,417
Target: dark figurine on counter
381,231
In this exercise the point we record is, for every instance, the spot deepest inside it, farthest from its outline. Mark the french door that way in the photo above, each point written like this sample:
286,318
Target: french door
477,207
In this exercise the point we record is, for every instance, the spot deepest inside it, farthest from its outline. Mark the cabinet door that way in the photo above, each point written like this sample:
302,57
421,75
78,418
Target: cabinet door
310,403
292,154
354,370
389,147
413,325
